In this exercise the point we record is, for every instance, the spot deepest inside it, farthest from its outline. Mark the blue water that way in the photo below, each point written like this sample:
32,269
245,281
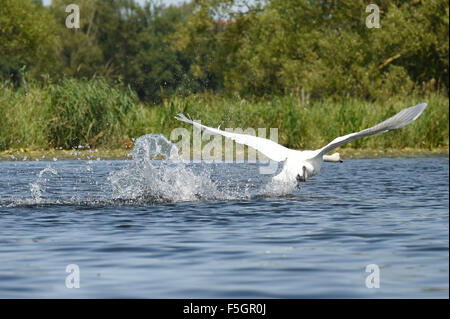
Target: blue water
229,239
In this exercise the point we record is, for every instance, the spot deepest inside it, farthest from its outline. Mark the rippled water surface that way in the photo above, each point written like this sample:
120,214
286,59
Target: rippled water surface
154,230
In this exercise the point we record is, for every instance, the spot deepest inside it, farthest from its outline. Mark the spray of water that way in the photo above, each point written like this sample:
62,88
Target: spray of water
37,187
158,173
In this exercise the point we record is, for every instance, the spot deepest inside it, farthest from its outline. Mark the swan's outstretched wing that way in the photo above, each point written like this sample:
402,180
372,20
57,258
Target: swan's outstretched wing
272,150
399,120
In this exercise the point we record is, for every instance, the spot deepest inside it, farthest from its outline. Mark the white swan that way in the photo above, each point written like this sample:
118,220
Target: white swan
301,165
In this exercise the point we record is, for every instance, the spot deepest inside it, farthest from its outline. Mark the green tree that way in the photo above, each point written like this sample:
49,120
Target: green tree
28,40
79,53
321,47
121,40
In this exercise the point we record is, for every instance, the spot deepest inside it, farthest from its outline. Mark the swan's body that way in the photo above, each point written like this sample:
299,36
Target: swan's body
301,165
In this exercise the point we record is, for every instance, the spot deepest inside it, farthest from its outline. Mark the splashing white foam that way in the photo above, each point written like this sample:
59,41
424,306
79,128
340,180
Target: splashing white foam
158,173
38,186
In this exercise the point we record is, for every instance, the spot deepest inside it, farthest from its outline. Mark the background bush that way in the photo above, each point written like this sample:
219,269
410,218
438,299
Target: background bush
312,69
87,112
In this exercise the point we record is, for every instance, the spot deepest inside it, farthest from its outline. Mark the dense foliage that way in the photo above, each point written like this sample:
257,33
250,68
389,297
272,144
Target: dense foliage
315,49
129,68
92,113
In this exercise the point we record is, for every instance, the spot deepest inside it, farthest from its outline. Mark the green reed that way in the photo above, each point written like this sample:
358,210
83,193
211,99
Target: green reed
79,112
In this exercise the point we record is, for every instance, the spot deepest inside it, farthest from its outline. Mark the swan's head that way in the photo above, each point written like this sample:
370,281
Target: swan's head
332,158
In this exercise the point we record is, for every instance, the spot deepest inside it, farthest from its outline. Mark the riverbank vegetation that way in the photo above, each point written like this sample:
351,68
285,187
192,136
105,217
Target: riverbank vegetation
93,113
312,69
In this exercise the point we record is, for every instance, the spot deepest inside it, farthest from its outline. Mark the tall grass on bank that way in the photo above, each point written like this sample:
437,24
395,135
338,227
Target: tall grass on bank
24,118
311,126
87,112
66,115
76,112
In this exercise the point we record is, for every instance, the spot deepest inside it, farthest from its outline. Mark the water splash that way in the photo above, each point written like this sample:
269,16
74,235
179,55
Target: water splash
158,173
277,189
38,186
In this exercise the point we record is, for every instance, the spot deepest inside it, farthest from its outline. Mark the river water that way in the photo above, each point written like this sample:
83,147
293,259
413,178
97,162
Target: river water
158,229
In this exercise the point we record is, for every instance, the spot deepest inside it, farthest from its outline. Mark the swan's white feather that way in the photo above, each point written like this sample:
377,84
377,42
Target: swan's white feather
269,148
304,164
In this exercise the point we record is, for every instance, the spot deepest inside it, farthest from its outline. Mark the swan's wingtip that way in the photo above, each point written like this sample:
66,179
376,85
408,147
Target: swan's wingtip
423,105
